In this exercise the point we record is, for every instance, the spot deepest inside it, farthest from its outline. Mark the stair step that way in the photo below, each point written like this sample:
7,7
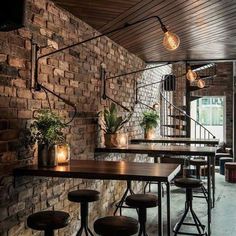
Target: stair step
179,117
195,88
193,98
195,67
176,136
179,127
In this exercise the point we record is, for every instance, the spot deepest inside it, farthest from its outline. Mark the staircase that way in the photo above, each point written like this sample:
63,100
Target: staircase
175,103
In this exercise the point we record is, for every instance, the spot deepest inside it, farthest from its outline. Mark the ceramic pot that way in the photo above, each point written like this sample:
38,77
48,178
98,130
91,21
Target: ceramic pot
111,140
46,156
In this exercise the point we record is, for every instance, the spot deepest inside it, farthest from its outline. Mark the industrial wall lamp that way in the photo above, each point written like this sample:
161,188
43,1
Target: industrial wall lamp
168,84
170,41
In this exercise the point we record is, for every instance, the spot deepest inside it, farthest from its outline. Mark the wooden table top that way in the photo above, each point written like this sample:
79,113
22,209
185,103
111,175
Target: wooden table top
112,170
212,142
155,149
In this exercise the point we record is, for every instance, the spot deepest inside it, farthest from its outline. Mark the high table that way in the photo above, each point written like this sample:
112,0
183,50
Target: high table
157,149
112,170
211,142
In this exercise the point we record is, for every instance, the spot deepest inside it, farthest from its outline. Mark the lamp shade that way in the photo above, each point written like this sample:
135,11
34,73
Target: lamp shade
171,41
201,83
191,75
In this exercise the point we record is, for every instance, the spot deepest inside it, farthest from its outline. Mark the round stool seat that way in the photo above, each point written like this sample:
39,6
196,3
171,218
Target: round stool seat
116,226
48,220
142,200
188,183
84,195
198,162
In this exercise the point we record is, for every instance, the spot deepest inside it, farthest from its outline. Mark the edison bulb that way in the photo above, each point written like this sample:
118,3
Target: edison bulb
171,41
191,75
201,83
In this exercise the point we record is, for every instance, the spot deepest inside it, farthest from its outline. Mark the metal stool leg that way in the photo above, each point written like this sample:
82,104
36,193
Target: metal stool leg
142,216
48,233
122,201
189,208
84,220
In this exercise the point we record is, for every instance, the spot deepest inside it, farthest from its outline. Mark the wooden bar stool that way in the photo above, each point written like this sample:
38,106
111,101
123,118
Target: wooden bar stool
116,226
230,172
83,197
189,184
142,202
48,221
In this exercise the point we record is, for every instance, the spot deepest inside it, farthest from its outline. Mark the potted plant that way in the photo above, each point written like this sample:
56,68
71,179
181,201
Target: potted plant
111,124
46,132
149,123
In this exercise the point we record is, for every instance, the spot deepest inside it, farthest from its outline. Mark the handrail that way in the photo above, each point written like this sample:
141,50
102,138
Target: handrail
184,113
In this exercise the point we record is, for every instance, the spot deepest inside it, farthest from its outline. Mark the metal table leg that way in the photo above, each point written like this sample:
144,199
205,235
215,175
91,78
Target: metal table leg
168,208
209,195
160,223
213,181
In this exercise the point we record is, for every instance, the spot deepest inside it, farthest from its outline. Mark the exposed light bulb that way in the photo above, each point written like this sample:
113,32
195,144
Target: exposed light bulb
191,75
171,41
201,83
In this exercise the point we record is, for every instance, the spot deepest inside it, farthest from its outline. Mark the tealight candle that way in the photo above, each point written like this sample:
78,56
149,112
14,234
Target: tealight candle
122,140
62,153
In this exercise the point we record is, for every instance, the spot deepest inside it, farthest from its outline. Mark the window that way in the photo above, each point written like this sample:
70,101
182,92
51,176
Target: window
210,111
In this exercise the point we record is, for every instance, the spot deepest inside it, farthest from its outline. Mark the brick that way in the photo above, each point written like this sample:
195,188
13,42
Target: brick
3,58
19,103
8,70
63,65
52,44
25,33
9,134
39,21
34,104
19,83
10,91
3,148
4,124
3,213
24,114
59,89
58,72
24,93
69,75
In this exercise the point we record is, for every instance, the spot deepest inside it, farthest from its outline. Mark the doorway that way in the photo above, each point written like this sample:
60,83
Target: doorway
210,111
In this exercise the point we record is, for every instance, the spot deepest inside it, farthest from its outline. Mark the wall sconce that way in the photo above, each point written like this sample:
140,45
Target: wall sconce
62,154
191,75
171,42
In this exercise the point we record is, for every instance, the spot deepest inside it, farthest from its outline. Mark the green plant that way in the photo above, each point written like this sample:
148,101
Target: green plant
45,130
111,121
150,120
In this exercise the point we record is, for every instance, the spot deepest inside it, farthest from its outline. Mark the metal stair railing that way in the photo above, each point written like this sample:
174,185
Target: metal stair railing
204,133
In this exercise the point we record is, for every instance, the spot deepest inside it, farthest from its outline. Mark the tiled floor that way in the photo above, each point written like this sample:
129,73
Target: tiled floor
223,215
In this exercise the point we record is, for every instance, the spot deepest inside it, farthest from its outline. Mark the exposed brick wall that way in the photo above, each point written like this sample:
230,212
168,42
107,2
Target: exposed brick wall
74,74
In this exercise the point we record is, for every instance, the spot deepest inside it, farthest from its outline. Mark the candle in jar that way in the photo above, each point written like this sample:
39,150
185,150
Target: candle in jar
123,140
62,154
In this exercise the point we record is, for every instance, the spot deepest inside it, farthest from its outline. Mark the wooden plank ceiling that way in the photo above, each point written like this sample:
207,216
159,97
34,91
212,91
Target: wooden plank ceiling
207,29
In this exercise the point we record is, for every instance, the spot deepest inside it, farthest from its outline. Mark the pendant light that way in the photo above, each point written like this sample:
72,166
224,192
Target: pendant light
201,83
171,41
191,75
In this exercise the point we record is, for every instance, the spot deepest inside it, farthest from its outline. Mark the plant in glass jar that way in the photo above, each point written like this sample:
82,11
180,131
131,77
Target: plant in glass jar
111,123
149,123
46,132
